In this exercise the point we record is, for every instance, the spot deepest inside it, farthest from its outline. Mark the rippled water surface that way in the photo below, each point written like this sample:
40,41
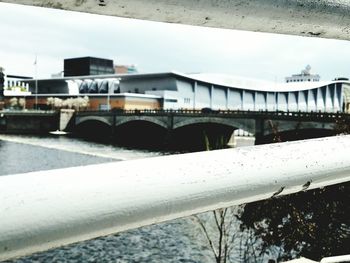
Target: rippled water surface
176,241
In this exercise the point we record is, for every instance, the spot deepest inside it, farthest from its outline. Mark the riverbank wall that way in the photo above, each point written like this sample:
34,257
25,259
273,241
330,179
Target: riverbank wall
29,122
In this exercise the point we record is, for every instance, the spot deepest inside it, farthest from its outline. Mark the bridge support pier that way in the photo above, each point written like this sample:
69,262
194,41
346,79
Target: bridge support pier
259,130
214,141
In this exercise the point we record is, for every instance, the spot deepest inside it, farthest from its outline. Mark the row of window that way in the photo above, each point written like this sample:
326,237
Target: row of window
98,87
187,100
301,80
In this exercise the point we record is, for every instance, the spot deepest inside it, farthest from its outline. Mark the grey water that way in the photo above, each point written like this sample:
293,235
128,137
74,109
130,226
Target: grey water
176,241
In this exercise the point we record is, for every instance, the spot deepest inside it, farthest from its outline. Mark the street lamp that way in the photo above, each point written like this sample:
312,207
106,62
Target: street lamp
36,82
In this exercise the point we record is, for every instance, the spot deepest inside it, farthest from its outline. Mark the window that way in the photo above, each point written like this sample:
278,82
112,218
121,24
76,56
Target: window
93,72
187,100
103,107
171,100
93,67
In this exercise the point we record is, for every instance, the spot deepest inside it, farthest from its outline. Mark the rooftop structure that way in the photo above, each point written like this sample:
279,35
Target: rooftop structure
85,66
125,69
305,75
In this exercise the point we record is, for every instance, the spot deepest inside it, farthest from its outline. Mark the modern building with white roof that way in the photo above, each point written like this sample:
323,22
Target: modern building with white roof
305,75
176,90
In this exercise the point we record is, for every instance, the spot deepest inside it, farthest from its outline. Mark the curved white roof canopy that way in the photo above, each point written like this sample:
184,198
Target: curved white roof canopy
256,84
231,81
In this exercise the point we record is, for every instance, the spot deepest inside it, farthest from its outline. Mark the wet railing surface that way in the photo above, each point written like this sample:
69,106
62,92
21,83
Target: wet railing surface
48,209
323,18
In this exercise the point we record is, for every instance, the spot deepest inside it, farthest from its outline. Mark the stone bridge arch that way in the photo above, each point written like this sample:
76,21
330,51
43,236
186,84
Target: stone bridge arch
160,121
105,120
244,124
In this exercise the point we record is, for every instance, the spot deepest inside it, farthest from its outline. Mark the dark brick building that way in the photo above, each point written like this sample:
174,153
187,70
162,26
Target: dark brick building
86,66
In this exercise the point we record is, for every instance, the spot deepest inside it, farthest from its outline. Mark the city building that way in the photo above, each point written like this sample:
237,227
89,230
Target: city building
16,85
12,85
86,66
174,90
15,80
305,75
125,69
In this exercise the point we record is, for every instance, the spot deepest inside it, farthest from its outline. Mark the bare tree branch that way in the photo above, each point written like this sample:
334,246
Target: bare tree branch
216,220
204,229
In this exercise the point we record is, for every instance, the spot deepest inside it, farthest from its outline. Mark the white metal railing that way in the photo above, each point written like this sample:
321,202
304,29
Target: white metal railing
322,18
47,209
337,259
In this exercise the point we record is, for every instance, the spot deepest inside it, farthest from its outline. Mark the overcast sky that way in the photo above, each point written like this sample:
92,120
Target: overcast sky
158,47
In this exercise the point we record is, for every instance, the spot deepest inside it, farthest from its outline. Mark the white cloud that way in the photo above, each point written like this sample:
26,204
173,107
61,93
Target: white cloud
55,35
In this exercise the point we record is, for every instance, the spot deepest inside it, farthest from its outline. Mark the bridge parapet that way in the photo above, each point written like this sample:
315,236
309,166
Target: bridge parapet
259,123
313,114
227,114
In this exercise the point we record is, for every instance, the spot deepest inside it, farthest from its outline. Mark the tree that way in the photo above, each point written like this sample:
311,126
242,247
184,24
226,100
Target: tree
80,103
76,103
49,101
13,102
312,224
342,126
221,228
226,239
22,103
70,103
220,245
57,103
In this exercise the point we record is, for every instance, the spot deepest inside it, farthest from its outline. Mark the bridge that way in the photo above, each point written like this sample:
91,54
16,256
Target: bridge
262,124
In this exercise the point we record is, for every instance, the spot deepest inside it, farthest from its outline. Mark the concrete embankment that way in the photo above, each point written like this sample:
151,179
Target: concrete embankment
28,122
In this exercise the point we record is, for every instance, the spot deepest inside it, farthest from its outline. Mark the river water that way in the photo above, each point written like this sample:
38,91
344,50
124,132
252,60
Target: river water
176,241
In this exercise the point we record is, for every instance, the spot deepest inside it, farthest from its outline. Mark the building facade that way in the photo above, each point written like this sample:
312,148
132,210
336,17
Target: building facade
173,90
